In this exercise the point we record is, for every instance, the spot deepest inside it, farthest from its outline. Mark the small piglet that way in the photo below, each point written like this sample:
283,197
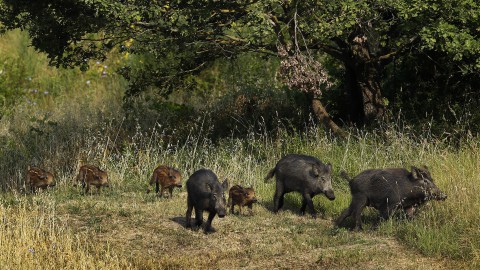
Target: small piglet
166,177
241,196
304,174
37,178
91,175
388,190
205,193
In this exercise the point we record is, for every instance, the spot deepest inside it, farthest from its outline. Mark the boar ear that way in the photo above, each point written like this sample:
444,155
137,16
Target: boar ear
329,167
416,174
425,168
209,188
315,171
225,184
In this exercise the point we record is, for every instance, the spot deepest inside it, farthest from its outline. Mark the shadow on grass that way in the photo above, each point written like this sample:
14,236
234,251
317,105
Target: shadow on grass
293,203
182,221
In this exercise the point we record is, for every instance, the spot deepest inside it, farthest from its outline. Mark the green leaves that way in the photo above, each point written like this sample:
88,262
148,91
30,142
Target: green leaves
181,37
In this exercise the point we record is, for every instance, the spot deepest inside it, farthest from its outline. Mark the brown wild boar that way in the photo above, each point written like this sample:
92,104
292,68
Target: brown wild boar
38,179
166,177
90,175
241,196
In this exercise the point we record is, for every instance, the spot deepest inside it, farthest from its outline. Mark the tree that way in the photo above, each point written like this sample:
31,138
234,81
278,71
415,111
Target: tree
183,36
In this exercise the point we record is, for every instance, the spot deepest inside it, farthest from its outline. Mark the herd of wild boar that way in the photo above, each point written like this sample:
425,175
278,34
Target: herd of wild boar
387,190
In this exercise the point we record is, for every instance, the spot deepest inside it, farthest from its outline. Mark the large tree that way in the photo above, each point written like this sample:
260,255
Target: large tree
181,37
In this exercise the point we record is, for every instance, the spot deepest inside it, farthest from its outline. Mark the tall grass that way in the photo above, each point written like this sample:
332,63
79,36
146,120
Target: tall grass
77,121
32,237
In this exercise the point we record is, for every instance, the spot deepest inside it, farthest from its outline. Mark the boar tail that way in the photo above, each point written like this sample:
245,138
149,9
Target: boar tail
345,176
270,174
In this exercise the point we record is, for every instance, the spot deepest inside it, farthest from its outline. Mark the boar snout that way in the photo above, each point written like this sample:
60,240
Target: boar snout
221,213
436,194
441,197
330,195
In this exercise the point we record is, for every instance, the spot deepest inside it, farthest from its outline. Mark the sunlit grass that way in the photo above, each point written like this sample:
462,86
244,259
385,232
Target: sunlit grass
32,237
125,228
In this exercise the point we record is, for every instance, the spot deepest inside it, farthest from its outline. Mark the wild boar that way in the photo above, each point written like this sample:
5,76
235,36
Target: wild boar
304,174
166,177
388,190
205,193
37,178
238,195
90,175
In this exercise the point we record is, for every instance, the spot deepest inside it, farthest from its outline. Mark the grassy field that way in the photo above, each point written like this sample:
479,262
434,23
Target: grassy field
81,118
123,227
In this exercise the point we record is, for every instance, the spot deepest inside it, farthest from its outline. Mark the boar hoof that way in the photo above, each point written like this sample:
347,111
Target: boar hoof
209,230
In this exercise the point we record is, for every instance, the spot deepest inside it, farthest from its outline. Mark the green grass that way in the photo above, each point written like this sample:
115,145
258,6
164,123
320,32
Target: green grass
146,231
125,228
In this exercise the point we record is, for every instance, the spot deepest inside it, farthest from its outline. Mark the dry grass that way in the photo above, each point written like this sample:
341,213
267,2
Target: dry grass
124,228
143,232
32,237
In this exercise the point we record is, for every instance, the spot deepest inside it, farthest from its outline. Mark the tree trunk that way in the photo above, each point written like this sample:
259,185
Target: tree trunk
363,86
321,114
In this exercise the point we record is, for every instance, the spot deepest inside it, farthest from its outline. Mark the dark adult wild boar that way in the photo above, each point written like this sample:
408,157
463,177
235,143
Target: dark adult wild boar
205,193
304,174
238,195
90,175
38,178
166,177
388,190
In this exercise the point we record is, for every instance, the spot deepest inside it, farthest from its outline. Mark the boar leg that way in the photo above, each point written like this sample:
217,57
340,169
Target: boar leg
278,197
170,189
198,217
162,190
307,200
87,189
208,225
346,213
189,213
240,209
357,205
230,204
410,211
385,213
232,207
250,209
157,188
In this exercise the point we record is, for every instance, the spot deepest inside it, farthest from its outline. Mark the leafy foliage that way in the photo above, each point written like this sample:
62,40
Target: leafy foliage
171,40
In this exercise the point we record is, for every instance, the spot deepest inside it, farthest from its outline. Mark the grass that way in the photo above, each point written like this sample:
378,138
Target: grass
33,237
125,228
148,232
